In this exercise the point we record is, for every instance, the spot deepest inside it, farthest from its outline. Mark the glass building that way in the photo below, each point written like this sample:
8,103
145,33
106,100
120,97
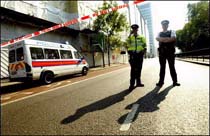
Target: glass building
145,10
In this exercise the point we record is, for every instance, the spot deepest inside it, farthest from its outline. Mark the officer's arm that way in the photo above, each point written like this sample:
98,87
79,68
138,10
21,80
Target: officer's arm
160,39
166,39
144,44
170,39
127,42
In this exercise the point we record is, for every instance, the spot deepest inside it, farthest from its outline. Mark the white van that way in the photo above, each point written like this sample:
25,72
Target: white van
41,60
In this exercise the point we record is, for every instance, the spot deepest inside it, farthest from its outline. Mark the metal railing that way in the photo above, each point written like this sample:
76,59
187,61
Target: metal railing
197,55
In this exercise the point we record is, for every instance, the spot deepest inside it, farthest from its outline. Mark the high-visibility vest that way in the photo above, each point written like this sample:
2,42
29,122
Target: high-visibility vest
136,43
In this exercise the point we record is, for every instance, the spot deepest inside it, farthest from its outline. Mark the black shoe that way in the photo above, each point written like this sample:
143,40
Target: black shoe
176,84
159,84
140,85
131,88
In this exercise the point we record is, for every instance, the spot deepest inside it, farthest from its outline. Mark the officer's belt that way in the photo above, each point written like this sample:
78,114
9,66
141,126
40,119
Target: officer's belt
135,52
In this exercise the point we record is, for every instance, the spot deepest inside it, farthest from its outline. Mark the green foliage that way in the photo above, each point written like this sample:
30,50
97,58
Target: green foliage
111,23
195,34
71,6
116,41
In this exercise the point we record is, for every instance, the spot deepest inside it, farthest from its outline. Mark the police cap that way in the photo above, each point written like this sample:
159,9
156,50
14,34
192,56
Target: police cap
134,26
165,22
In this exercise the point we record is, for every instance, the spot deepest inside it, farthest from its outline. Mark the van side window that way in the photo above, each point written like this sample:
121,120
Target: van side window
20,55
66,54
11,56
51,54
36,53
77,55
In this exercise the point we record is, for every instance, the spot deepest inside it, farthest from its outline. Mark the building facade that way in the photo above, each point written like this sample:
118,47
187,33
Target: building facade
136,17
145,10
19,18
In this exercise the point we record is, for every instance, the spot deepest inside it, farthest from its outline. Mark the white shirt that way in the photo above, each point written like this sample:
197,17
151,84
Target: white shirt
173,34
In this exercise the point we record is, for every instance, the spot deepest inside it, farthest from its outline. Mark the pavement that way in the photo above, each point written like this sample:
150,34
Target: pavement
194,60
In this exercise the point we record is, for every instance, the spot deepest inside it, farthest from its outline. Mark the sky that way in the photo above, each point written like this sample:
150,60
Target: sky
174,11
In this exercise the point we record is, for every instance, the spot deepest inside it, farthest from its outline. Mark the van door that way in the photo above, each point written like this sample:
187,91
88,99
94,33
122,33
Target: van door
78,58
69,65
17,63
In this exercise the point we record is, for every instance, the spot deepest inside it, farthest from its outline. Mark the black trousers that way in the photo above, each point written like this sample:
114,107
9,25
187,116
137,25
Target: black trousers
136,61
171,62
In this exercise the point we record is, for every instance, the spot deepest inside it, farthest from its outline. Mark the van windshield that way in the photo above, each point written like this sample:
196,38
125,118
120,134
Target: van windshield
77,55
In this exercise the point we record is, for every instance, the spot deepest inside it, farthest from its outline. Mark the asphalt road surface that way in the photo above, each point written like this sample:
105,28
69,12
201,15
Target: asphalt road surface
102,105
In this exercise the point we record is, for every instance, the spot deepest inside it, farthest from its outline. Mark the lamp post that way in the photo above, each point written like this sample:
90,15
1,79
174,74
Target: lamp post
103,52
103,46
108,47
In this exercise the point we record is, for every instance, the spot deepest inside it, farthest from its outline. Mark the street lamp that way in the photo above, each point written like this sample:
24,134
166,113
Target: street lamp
100,31
108,33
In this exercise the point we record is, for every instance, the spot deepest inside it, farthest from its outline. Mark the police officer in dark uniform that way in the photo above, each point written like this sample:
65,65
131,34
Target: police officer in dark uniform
136,49
166,51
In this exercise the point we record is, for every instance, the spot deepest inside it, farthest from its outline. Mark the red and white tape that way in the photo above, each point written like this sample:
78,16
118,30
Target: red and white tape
68,23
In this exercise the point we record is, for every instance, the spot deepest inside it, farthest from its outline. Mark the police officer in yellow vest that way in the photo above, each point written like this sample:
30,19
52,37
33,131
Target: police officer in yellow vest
136,49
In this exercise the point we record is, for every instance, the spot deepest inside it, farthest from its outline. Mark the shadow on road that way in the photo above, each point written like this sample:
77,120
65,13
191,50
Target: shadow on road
148,103
18,87
99,105
27,85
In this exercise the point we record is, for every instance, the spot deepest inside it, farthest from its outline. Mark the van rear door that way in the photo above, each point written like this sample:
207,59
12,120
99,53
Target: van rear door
17,63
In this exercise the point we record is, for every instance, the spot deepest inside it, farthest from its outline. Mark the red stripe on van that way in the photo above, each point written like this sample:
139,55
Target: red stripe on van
53,63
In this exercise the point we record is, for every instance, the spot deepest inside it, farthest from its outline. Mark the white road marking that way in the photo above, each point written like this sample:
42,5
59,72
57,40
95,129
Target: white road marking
127,122
53,89
27,92
56,84
12,94
6,98
47,85
53,85
68,81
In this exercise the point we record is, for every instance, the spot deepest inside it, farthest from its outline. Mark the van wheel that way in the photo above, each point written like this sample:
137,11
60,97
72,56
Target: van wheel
47,78
84,71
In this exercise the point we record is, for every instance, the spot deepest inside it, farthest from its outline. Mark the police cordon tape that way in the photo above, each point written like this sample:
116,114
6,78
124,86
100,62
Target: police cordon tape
68,23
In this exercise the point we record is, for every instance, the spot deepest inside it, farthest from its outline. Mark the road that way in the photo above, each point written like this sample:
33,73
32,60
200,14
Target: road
102,105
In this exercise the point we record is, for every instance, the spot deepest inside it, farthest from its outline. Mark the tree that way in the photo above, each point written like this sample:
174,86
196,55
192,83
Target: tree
111,23
195,34
116,42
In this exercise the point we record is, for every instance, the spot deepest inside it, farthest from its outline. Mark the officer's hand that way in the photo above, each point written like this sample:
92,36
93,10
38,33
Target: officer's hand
145,50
